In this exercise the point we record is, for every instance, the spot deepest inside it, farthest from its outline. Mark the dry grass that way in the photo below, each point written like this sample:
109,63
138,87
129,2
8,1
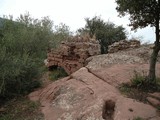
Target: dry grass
21,109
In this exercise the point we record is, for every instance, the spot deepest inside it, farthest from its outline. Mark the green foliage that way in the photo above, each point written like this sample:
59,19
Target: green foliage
21,109
138,118
106,32
57,73
125,89
61,32
22,50
23,47
144,13
138,79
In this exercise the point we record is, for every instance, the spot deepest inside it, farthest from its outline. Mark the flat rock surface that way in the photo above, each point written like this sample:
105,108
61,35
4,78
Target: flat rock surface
122,73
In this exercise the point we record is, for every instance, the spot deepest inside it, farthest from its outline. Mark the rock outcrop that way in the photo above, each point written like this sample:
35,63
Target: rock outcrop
122,45
84,95
91,93
71,55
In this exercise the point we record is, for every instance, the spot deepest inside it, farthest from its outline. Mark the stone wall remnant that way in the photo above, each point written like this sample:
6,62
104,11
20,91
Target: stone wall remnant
71,54
122,45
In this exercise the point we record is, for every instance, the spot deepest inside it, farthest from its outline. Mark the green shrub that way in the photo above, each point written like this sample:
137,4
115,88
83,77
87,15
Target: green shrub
125,88
22,50
23,47
138,79
56,74
105,32
18,74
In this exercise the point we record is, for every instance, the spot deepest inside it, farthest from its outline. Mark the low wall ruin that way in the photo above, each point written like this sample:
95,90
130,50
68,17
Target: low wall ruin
123,45
71,54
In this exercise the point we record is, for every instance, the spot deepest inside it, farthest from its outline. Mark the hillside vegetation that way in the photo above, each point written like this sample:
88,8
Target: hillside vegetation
24,43
23,47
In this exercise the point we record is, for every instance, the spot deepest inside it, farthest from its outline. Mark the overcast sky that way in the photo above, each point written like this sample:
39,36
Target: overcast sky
72,13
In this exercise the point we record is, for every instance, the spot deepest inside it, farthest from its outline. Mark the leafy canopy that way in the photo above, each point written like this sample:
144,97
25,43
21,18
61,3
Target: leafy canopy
142,12
106,32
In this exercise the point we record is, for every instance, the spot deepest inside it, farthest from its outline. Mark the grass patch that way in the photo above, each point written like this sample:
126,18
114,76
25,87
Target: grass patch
21,109
125,89
138,89
140,81
134,93
57,73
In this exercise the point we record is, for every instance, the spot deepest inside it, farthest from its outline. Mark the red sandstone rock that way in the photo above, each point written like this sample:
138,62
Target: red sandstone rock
91,92
121,73
85,96
153,101
155,95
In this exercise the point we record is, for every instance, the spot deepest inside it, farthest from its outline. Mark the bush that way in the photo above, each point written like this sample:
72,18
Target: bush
105,32
57,73
139,81
17,76
22,49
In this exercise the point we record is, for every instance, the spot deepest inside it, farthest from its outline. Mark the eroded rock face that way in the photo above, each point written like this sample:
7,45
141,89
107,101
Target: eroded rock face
122,45
72,54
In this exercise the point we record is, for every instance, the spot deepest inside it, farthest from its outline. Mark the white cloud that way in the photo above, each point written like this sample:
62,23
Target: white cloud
71,12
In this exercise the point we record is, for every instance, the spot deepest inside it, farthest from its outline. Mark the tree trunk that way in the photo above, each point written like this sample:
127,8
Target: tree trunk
152,68
153,59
